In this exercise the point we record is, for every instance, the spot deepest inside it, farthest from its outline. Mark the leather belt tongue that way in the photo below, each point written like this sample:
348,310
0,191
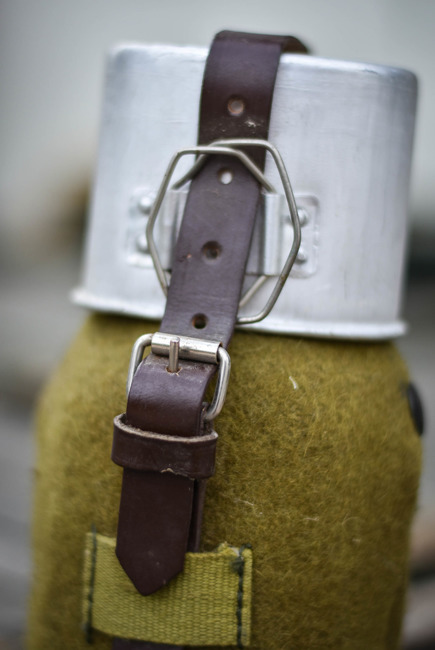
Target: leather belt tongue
160,511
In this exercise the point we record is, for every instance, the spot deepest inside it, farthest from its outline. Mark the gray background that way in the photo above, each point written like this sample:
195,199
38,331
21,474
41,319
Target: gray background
51,72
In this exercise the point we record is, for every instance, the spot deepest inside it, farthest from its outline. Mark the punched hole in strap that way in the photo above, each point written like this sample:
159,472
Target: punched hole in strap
236,106
211,251
199,321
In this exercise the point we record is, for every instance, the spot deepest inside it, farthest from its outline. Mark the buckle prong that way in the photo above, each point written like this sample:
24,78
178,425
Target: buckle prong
174,349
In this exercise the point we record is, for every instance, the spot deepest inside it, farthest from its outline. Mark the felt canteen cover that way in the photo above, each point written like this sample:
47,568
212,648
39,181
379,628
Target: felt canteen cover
318,471
305,532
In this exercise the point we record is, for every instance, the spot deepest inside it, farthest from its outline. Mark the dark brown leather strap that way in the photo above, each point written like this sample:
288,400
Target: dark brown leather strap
238,85
160,513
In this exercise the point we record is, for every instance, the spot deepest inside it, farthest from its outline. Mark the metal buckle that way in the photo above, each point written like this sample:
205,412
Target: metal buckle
189,348
228,147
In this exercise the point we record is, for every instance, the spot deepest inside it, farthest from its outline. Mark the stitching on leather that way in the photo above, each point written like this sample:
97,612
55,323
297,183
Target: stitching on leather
88,624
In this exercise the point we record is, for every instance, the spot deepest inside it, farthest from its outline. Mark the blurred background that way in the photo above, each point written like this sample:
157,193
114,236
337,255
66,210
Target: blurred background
52,56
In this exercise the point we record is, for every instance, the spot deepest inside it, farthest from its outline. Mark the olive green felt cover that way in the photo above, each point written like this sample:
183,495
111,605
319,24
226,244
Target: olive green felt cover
317,469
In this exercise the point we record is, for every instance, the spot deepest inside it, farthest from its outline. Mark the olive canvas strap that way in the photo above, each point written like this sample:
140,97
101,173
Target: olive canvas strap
165,441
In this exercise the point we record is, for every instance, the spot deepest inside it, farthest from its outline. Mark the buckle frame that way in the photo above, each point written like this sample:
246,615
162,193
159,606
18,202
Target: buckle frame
185,348
228,147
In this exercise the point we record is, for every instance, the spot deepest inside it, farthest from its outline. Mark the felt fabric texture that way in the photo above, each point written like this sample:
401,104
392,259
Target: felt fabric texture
208,603
317,469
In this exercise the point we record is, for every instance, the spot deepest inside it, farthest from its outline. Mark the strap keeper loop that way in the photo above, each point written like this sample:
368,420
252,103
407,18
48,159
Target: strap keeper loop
146,451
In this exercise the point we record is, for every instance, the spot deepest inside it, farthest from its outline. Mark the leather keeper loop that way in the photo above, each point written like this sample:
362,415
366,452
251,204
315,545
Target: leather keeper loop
147,451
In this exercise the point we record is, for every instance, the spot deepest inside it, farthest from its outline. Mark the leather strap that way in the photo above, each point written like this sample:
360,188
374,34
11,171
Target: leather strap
160,513
241,67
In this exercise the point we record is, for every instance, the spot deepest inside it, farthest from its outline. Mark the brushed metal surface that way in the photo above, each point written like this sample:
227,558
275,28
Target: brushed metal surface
345,132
